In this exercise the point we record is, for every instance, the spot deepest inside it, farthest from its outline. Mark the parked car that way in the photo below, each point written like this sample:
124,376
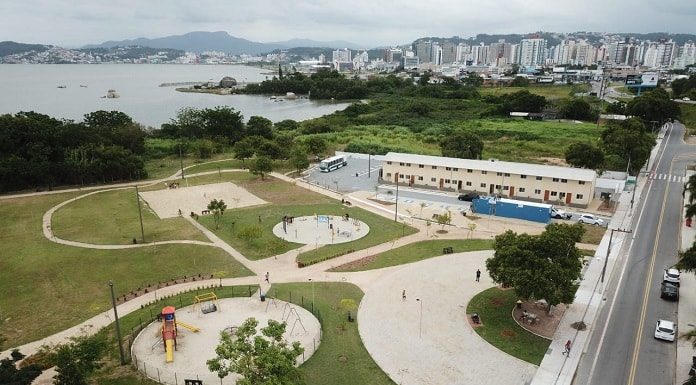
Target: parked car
468,197
665,330
669,291
671,275
560,214
686,99
591,219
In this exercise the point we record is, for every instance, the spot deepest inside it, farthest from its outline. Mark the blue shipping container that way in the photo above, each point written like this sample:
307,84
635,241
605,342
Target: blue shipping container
509,208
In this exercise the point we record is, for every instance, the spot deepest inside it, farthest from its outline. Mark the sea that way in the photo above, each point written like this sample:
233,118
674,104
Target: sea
35,87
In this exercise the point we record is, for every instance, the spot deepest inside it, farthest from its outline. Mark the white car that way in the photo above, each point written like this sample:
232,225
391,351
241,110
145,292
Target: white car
560,214
591,219
665,330
671,275
686,99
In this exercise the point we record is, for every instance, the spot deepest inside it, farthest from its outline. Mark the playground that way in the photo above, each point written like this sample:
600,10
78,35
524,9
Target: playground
176,348
176,200
321,229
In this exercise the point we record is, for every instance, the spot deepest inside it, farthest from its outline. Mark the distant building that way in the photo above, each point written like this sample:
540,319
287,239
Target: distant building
532,52
410,62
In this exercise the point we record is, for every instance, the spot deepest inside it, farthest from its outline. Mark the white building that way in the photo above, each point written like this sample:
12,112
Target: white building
532,52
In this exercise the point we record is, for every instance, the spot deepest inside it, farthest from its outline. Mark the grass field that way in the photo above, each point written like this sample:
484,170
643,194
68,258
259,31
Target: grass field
551,92
500,329
418,251
70,283
341,358
688,117
593,234
111,217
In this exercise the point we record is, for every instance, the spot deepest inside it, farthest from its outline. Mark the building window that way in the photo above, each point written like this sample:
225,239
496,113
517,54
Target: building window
455,169
388,174
581,182
389,162
564,180
454,181
469,171
499,174
497,187
448,169
468,183
578,196
401,176
555,179
408,164
484,172
401,163
506,188
434,167
507,174
539,178
420,178
521,189
523,177
537,192
562,195
421,166
433,180
554,193
447,181
483,185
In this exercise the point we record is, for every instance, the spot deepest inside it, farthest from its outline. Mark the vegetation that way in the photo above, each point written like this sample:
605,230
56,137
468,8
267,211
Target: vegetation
544,266
78,360
627,145
653,106
462,144
417,251
494,306
684,87
341,359
217,207
576,109
264,358
584,155
688,117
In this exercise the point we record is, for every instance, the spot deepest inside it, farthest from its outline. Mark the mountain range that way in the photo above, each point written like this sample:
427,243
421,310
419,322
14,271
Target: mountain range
220,41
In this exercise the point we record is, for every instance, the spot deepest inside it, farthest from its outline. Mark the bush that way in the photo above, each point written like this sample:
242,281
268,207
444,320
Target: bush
205,148
249,233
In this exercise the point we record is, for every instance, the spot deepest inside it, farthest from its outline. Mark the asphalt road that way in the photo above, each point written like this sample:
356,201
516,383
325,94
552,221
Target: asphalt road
622,348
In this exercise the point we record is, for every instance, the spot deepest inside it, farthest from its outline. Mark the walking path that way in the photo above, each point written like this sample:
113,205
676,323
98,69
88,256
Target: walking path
687,306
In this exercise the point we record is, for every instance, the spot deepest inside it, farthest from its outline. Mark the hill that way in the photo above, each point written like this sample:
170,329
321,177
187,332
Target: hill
11,48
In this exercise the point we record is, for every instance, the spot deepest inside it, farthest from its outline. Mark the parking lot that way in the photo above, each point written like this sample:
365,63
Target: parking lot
344,179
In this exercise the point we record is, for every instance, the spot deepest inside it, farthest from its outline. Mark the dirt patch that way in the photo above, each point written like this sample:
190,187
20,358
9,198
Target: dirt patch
497,302
552,161
543,324
442,231
508,333
355,264
385,203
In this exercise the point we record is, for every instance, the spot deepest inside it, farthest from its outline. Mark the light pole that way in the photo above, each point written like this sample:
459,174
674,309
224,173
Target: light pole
310,280
140,213
420,319
118,328
606,258
368,165
396,205
181,161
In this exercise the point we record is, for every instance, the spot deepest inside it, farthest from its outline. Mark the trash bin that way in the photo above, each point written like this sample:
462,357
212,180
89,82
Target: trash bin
519,304
263,297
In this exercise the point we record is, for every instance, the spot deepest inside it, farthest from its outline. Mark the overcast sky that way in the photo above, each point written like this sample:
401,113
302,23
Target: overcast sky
367,22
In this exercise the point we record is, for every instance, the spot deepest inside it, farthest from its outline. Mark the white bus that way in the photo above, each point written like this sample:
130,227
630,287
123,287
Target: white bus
332,163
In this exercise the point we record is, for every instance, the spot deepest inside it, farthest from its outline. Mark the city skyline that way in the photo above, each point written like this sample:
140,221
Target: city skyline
364,23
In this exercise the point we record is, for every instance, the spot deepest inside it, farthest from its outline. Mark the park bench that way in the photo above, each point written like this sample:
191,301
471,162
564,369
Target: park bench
447,250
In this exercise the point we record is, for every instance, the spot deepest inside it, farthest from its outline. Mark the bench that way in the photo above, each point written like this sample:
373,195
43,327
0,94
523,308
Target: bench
204,212
447,250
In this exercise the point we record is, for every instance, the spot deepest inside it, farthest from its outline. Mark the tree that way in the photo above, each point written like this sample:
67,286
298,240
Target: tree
259,126
687,259
244,149
287,125
618,108
462,144
262,166
298,158
630,142
544,266
9,374
653,106
217,207
576,108
260,359
519,81
444,219
76,361
520,101
316,145
584,155
472,79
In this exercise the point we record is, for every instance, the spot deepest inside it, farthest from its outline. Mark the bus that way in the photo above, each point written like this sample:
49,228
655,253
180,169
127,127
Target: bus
333,163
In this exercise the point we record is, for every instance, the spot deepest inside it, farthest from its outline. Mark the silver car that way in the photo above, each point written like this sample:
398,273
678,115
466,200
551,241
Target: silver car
591,219
665,330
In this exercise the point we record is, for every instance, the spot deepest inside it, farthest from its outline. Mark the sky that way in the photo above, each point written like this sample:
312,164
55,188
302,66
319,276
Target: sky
365,22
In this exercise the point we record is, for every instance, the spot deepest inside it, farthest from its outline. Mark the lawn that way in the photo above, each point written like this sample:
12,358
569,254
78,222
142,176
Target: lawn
593,234
416,252
341,358
500,329
166,166
551,92
111,217
688,117
70,283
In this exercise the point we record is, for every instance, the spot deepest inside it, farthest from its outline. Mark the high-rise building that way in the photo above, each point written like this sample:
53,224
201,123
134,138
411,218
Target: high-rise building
449,52
423,50
686,57
532,52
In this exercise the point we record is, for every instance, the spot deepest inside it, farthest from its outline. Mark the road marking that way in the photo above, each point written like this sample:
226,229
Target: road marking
646,293
623,270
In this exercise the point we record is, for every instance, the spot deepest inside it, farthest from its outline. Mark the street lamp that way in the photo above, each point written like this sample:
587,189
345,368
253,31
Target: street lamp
118,328
420,319
310,280
396,202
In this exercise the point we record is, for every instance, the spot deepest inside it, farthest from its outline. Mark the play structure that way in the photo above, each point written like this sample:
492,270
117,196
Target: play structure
206,303
320,229
170,331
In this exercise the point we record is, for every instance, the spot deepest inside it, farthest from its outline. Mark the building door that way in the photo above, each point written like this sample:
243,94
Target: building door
442,183
546,195
413,180
568,198
512,191
491,189
459,185
396,177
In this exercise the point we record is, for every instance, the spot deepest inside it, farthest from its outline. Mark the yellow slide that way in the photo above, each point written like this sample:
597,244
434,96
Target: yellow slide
187,326
169,347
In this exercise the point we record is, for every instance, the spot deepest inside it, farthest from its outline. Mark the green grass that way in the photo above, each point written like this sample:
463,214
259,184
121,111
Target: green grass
688,117
70,283
341,358
419,251
500,329
163,167
593,234
551,91
111,217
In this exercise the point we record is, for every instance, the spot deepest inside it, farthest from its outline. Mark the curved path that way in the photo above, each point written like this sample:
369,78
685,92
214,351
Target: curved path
429,340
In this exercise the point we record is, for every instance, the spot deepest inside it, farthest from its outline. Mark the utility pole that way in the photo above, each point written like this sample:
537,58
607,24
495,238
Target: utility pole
606,258
140,214
368,165
118,327
396,206
181,161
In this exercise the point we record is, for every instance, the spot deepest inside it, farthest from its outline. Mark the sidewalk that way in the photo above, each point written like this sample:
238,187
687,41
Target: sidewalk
687,307
559,369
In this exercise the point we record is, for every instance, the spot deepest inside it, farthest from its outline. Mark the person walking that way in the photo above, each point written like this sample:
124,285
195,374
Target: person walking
478,275
567,348
267,278
403,295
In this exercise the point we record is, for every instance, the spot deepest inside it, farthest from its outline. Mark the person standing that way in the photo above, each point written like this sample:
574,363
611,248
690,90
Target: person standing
403,295
567,348
478,275
267,278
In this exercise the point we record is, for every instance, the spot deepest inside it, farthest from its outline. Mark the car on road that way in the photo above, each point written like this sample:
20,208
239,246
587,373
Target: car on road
468,197
686,99
560,214
591,219
665,330
671,275
669,291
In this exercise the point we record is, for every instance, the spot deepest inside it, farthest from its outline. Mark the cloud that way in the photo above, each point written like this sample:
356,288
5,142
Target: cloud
368,22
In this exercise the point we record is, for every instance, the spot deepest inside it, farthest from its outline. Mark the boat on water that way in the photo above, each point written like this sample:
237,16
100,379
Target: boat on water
111,94
83,85
61,86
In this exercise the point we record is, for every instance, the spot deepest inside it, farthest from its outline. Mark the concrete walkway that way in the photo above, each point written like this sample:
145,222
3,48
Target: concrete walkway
687,305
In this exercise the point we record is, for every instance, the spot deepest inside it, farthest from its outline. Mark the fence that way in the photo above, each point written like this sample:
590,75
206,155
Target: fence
283,311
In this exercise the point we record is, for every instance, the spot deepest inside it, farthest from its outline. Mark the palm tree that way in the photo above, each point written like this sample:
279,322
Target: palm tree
690,186
687,261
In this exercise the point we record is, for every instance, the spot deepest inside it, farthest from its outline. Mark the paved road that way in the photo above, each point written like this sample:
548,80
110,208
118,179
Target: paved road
622,349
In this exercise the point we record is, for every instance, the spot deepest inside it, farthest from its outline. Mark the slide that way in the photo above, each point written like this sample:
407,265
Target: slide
187,326
169,346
